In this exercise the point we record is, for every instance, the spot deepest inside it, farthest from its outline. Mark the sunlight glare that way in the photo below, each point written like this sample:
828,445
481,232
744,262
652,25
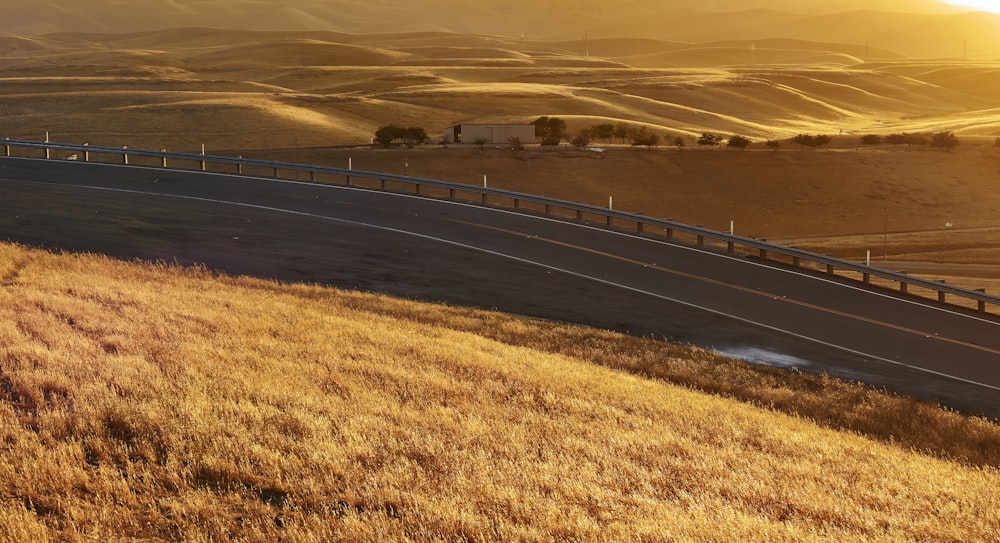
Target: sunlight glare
984,5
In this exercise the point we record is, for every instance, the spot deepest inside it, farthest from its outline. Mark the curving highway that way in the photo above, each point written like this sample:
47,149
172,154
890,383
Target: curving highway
472,255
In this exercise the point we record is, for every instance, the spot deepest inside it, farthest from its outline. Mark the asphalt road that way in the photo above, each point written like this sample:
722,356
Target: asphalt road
471,255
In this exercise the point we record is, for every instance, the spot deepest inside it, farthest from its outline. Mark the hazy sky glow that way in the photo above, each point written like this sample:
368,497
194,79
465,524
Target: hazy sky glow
985,5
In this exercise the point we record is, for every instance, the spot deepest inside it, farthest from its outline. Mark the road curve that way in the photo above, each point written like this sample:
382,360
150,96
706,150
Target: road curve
473,255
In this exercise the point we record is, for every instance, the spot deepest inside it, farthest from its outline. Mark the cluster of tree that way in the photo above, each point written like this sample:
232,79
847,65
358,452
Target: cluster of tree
808,140
708,139
940,140
391,134
550,130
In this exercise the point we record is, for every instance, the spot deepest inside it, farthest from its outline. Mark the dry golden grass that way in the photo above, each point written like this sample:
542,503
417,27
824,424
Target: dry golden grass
156,403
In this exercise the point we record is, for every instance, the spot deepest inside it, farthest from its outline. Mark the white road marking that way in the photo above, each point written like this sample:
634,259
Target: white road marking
548,267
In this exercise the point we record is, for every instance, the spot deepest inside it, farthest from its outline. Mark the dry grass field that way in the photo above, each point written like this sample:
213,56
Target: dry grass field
156,403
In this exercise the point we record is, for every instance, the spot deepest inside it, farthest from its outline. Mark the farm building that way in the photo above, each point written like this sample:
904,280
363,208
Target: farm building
491,133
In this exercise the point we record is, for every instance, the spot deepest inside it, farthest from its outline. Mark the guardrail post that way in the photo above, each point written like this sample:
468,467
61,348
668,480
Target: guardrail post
866,278
312,175
941,292
638,226
670,233
548,209
125,155
982,303
903,287
763,253
829,269
579,215
451,194
609,220
86,152
239,166
731,247
163,159
275,172
517,203
701,240
416,187
795,261
484,199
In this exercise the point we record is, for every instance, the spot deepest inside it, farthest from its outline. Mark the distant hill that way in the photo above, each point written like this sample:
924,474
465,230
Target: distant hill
922,28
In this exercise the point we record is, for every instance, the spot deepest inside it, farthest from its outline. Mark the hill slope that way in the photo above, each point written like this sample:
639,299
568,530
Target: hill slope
925,28
149,402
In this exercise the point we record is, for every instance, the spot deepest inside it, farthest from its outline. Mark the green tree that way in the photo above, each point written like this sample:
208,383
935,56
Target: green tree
622,131
917,139
550,130
945,140
388,134
604,132
515,144
645,137
871,139
897,139
709,139
679,143
821,140
582,139
414,135
773,145
804,140
737,141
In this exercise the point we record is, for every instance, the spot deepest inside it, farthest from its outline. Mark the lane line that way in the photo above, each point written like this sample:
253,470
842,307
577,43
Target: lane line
684,247
553,268
748,290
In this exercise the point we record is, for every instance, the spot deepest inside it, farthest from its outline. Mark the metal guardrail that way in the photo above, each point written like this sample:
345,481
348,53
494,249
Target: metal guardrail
641,222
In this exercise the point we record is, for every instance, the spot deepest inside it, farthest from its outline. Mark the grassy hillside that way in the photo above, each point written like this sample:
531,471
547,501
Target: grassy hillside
149,402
